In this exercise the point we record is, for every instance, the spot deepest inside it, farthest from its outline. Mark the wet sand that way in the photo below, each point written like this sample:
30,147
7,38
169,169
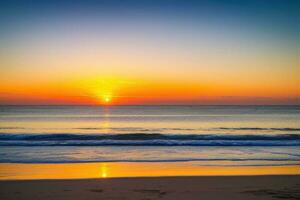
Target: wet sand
201,187
34,171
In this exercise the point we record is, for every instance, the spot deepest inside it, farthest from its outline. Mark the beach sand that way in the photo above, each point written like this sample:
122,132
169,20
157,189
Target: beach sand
201,187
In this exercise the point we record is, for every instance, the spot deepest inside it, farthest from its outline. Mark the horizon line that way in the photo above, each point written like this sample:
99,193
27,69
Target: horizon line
103,105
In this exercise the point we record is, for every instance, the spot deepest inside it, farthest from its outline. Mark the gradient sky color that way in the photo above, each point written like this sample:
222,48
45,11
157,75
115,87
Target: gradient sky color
150,52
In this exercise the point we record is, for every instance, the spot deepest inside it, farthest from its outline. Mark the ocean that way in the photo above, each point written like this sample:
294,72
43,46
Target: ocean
210,135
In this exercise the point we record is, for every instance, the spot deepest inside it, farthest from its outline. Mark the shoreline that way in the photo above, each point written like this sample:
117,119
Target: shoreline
150,177
184,187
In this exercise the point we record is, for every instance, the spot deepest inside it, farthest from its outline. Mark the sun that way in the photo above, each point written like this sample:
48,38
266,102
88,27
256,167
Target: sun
106,98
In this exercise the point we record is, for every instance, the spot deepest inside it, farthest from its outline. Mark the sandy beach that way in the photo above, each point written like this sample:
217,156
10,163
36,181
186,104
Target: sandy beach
211,187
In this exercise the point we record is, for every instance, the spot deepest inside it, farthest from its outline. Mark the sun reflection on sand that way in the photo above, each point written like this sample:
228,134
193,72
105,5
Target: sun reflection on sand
103,172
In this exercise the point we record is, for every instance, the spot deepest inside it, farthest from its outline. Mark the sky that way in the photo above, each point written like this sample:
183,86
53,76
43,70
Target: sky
150,52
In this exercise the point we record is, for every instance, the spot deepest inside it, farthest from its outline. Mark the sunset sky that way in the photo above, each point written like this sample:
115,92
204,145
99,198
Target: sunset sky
150,52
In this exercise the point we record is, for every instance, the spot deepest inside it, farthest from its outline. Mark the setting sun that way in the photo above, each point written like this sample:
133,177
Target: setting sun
107,98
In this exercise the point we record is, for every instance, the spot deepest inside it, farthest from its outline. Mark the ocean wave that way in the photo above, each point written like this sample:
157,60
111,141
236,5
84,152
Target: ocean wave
143,139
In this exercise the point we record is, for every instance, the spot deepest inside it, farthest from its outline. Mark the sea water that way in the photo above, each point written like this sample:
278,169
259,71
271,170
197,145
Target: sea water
210,135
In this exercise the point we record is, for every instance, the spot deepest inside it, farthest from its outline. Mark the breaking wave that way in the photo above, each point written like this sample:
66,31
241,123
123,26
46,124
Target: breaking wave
143,139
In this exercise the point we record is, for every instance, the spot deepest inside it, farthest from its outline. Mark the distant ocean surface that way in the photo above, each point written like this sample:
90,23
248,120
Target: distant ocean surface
212,135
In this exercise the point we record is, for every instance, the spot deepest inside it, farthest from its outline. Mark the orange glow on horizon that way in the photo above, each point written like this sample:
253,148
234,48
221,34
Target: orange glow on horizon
118,91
